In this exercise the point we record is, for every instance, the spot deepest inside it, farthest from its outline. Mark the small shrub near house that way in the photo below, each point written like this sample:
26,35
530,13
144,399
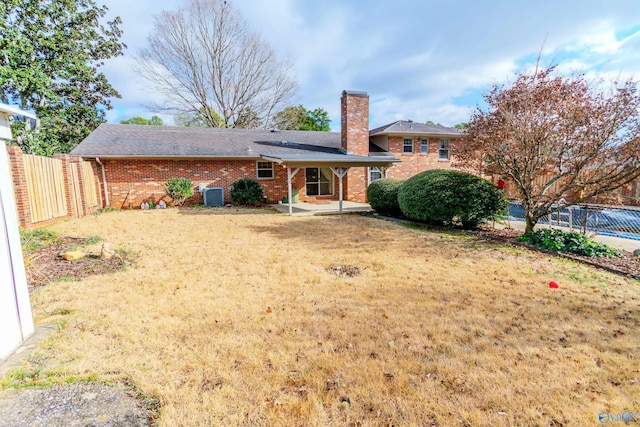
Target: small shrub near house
447,197
179,189
556,240
382,195
246,191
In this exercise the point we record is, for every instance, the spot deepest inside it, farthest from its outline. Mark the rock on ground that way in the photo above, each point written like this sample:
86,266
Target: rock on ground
73,255
95,405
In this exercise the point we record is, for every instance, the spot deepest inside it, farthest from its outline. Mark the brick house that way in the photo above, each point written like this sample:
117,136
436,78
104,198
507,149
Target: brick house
134,161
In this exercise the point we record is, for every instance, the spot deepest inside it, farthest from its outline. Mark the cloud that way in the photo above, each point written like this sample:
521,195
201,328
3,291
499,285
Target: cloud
427,60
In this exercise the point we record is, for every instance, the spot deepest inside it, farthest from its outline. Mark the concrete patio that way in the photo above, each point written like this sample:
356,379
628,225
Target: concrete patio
328,208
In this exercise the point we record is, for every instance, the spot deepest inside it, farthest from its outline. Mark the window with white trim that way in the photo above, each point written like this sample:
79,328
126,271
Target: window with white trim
265,170
407,145
424,146
443,152
375,173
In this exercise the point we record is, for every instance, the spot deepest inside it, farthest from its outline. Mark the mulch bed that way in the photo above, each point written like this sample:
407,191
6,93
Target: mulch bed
626,264
46,265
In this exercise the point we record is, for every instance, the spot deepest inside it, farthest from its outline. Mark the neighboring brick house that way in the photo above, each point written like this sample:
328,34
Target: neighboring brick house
135,161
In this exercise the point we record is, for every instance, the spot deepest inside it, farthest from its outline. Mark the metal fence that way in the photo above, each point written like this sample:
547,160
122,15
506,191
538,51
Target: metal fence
600,220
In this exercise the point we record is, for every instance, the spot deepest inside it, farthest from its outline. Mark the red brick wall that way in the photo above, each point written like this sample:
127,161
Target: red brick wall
416,162
18,175
355,185
141,181
132,182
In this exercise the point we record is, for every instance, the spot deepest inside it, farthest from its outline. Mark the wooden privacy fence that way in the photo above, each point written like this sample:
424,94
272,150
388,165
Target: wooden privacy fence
45,187
49,189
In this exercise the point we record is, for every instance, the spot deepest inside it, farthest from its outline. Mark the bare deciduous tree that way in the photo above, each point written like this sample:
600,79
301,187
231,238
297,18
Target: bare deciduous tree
205,60
557,137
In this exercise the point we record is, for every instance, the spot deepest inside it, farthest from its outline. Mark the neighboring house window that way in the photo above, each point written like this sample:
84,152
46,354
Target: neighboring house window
319,181
443,153
374,174
407,145
424,146
265,170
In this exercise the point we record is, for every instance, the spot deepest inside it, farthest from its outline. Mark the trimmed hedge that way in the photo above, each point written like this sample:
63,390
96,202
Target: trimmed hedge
246,191
448,197
382,195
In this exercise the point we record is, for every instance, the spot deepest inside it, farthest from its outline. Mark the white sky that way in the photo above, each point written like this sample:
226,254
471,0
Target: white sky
417,59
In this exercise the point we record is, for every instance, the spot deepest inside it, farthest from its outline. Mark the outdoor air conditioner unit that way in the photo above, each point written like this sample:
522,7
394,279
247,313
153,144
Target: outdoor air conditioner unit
213,197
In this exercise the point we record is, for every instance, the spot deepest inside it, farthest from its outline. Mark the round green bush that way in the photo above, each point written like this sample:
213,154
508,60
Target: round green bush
448,197
246,191
382,195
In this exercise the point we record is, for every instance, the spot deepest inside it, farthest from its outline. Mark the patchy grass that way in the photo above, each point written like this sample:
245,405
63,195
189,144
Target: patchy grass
38,238
32,374
92,240
106,210
246,319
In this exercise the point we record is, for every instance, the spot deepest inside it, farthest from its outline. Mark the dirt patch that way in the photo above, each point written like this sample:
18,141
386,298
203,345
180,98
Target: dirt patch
626,264
73,405
344,270
45,265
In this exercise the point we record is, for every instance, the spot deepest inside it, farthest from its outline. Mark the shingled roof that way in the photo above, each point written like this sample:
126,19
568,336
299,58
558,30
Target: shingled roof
407,127
139,141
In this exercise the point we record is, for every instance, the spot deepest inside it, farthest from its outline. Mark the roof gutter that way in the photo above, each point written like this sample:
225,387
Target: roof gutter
104,182
344,162
165,157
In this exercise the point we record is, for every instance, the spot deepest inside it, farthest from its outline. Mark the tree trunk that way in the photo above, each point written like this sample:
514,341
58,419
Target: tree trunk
529,224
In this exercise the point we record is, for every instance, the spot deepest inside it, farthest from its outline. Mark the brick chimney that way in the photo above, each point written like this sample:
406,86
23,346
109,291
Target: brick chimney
355,122
355,140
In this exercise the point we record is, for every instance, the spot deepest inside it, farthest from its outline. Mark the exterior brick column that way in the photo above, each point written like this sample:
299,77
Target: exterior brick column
19,177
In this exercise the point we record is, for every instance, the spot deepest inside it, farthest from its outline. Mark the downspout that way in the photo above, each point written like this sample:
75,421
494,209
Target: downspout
104,182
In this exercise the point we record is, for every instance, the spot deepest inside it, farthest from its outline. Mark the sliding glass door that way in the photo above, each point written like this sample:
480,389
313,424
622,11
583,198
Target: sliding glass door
319,181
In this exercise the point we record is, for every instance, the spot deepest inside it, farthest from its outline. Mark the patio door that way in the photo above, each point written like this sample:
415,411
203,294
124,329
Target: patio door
319,181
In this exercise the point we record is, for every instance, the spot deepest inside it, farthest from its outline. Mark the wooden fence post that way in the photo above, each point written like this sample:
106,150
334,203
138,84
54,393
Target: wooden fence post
76,162
68,182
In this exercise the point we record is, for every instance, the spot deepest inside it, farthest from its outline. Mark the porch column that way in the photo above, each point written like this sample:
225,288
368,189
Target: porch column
289,178
340,173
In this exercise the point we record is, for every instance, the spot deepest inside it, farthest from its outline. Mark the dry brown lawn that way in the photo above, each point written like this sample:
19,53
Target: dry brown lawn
260,319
